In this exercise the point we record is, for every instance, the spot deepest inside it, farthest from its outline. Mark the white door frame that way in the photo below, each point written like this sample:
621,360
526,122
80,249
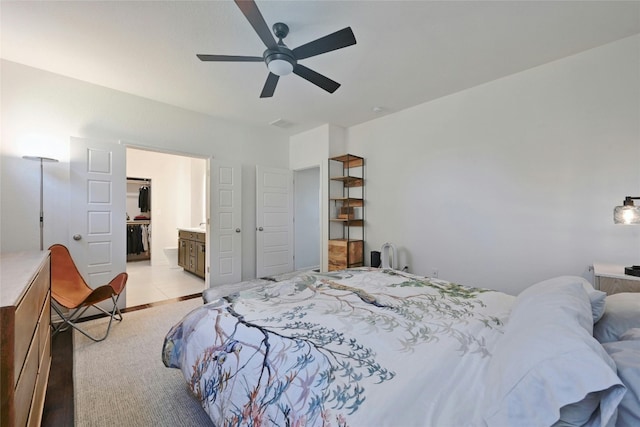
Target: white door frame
208,159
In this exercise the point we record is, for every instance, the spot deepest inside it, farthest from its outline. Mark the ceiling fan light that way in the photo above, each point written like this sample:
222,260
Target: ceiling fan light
280,67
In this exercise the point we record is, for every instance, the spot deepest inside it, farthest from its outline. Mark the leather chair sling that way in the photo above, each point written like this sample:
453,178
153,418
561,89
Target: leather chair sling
69,290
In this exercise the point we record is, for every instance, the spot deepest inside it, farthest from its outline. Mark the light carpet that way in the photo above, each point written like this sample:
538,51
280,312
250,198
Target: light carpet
122,381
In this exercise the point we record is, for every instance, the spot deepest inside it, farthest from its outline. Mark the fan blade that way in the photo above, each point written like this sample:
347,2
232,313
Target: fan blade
317,79
230,58
253,15
269,86
334,41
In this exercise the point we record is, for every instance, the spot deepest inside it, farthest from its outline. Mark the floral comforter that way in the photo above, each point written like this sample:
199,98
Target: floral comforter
361,347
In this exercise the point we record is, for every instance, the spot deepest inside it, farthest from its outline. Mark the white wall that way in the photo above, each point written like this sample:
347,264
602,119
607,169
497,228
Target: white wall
512,181
307,208
41,110
198,192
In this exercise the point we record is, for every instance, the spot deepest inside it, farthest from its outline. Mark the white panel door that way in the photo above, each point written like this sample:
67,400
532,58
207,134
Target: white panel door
225,260
98,218
274,217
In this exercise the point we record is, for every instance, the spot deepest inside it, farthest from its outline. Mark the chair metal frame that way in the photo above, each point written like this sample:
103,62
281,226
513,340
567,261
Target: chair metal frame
79,296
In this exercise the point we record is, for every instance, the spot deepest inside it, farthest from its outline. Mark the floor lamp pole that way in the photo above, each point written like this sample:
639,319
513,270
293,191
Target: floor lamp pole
41,160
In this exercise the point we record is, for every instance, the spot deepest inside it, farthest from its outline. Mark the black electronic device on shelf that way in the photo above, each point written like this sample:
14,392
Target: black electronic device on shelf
634,270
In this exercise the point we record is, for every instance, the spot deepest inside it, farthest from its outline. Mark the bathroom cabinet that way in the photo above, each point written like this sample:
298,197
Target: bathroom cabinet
192,251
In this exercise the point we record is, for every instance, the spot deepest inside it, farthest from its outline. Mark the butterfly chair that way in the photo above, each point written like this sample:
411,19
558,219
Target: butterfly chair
69,290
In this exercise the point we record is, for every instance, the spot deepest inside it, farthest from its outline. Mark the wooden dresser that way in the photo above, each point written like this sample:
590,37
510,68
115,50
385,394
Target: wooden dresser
25,341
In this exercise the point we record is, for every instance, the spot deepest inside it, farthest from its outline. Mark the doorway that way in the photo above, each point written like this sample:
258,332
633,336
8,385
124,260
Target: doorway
177,200
307,242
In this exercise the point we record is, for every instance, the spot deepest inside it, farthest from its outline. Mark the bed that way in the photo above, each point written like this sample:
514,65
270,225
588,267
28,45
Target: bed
379,347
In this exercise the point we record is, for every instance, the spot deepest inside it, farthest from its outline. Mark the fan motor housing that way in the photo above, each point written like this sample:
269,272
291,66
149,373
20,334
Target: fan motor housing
280,30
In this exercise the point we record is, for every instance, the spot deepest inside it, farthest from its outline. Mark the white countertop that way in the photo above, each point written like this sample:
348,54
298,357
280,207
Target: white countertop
192,229
612,270
17,270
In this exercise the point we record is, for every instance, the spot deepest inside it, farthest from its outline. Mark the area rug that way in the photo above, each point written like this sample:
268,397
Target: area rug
122,381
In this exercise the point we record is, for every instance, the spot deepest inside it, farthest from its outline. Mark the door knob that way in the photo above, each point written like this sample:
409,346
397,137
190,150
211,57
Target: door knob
237,230
77,237
260,228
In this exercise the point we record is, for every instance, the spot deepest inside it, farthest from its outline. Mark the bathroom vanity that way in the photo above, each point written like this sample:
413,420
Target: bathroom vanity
192,251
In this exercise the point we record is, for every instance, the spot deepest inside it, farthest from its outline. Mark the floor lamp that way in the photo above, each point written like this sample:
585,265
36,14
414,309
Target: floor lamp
41,160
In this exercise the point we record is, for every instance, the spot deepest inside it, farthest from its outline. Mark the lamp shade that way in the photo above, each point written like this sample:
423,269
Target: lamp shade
280,67
628,213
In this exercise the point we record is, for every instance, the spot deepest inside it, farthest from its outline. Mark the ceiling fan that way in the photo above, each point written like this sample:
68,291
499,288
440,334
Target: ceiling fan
281,60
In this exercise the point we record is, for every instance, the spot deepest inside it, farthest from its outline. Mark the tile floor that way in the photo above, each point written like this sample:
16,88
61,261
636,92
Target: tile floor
147,284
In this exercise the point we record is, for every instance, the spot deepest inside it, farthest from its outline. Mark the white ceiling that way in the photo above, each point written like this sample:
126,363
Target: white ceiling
407,52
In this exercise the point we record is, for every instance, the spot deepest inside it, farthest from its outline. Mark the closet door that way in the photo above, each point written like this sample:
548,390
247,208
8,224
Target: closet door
274,218
225,255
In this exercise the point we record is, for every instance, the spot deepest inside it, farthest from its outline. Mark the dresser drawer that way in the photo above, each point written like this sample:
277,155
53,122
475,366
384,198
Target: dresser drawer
26,385
37,404
614,285
44,328
192,235
43,334
27,314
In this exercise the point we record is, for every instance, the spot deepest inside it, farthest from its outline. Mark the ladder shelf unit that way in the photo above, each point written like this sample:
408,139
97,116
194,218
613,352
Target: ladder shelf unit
346,212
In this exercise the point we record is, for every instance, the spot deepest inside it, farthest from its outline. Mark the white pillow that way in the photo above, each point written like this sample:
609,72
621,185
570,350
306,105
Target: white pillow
621,313
548,364
596,298
543,292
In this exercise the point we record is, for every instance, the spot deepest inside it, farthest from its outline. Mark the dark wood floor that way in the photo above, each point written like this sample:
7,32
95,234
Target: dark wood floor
58,405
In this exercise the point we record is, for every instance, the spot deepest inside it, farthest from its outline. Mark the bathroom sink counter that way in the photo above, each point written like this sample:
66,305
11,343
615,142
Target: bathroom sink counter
192,229
192,250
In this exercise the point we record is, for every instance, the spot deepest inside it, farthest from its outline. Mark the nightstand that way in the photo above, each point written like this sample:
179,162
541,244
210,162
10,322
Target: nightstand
611,279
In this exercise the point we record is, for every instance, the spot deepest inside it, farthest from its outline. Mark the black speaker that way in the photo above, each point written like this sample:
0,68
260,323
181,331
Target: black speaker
375,259
634,270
